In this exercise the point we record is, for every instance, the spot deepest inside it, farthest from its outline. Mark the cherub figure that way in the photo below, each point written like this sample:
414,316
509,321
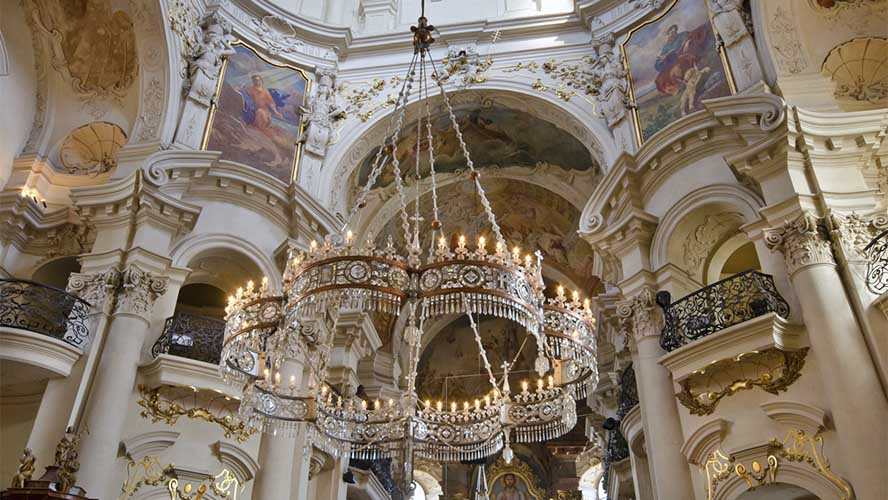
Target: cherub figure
25,469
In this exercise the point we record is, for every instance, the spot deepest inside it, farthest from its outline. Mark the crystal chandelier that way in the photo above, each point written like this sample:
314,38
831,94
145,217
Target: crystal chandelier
272,343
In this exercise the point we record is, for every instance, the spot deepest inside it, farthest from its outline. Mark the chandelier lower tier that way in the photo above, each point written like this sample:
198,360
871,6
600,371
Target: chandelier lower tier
277,347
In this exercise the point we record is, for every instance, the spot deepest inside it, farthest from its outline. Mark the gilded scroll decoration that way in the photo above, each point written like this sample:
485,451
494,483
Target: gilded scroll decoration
150,472
146,472
168,403
800,447
772,370
720,467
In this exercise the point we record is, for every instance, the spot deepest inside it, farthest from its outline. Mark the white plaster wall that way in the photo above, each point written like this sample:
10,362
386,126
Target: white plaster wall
18,91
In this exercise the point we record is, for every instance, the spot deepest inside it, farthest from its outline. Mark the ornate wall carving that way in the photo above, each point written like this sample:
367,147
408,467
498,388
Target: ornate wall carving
803,242
784,40
859,70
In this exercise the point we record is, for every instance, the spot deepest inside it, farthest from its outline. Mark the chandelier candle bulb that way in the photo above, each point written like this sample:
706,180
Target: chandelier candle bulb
539,384
524,386
453,406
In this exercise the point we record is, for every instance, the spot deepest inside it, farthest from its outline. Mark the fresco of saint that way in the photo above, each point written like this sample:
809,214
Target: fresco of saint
261,104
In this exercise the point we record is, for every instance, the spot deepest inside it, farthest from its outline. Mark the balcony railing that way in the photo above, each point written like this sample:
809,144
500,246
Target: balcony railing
628,392
192,336
45,310
722,304
877,266
616,451
382,469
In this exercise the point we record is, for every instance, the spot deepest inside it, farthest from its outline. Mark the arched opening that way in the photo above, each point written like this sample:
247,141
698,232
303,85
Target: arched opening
203,299
55,273
778,491
418,492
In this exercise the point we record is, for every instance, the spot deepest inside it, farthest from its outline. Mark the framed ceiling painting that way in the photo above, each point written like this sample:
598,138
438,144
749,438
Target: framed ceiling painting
674,62
256,118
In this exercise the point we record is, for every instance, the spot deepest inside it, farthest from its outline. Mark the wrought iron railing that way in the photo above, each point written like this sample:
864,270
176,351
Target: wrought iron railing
722,304
628,392
192,336
877,264
617,450
44,309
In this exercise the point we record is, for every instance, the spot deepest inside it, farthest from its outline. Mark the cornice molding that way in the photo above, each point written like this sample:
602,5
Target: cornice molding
149,443
757,334
724,126
704,440
54,356
796,415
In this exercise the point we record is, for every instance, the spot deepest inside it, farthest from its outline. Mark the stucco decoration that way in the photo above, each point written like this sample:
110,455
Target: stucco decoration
93,48
858,16
699,242
859,69
784,41
92,148
359,143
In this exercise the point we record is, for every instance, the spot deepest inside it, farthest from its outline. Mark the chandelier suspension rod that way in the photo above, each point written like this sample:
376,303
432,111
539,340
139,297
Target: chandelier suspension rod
378,162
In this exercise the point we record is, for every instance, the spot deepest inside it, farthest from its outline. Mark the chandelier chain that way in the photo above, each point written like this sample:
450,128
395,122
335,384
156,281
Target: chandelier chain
481,348
396,163
378,164
475,175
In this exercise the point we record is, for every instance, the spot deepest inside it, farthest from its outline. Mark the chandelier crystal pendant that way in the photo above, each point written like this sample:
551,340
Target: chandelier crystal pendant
277,347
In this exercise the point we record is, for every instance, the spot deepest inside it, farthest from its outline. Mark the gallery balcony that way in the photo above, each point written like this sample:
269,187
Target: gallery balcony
877,264
729,336
43,331
187,354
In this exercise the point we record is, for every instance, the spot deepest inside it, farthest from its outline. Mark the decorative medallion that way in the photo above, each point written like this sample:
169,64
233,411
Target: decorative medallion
92,148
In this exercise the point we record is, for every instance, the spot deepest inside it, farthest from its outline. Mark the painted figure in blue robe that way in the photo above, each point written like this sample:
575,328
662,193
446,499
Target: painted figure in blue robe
262,104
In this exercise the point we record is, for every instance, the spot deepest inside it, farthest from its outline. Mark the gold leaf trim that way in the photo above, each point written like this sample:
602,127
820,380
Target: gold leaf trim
158,409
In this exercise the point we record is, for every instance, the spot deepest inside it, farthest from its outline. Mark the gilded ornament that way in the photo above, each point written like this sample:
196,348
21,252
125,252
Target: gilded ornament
159,409
777,370
800,447
26,467
146,472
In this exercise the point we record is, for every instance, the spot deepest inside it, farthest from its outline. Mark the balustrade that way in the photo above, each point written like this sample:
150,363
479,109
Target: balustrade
877,264
45,310
728,302
191,336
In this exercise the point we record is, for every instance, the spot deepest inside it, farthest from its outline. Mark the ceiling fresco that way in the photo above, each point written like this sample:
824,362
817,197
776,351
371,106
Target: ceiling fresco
98,43
495,136
529,216
463,376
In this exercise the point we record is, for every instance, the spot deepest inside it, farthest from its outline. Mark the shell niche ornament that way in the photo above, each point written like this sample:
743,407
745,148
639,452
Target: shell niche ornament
92,148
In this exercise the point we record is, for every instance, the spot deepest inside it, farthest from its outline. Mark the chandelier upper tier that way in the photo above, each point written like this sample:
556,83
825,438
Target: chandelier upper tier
277,347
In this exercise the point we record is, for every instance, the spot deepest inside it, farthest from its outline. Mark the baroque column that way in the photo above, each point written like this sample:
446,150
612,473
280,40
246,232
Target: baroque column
641,320
53,416
837,341
115,375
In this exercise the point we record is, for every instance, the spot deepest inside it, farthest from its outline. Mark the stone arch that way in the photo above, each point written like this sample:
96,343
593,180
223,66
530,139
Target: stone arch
430,485
716,212
360,141
199,246
799,474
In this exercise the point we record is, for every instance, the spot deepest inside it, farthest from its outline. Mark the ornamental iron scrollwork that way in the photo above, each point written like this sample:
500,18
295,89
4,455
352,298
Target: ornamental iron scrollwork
772,370
877,264
191,336
628,392
617,450
45,310
725,303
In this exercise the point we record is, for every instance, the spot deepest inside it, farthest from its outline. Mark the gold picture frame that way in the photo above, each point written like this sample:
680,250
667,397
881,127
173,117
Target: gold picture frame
726,67
208,128
520,470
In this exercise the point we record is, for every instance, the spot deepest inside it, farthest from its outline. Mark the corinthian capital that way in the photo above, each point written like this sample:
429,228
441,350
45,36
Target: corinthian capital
96,288
641,316
803,242
854,232
138,291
